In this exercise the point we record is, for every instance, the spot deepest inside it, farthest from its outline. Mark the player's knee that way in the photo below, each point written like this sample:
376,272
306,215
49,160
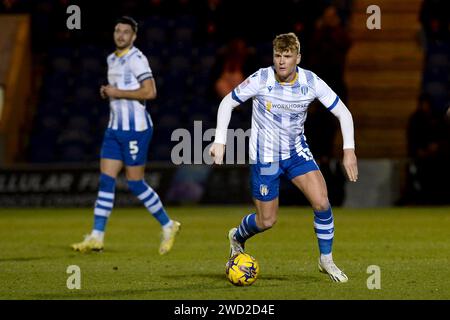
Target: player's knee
321,204
268,222
136,187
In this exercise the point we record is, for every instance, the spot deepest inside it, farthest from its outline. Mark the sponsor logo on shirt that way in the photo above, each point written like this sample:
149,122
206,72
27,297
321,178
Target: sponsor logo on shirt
287,106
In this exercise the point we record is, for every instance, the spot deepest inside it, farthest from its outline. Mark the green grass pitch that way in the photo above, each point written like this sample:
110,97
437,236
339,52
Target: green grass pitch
410,245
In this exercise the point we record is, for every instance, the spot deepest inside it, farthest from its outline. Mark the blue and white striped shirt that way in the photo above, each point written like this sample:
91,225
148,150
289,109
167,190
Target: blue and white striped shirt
279,111
126,73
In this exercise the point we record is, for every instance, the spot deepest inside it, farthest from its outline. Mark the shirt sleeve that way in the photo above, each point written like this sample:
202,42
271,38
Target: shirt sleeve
325,94
140,68
247,89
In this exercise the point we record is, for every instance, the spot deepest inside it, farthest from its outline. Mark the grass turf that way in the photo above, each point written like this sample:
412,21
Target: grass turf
410,245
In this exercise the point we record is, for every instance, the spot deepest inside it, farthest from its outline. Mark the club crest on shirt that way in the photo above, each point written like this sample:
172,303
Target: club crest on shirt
264,190
304,89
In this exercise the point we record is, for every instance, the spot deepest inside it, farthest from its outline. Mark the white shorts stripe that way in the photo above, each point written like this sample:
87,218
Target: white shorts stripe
325,236
324,226
102,212
106,195
145,194
105,204
152,199
156,207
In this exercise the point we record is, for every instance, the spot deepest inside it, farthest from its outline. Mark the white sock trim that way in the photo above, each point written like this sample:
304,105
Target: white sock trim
98,234
328,256
168,224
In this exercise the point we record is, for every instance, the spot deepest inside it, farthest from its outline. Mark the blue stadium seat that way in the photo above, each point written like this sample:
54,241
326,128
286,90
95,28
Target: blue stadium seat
42,147
160,152
93,65
179,63
62,64
155,22
72,153
50,123
186,21
91,51
155,64
155,35
435,74
183,34
438,60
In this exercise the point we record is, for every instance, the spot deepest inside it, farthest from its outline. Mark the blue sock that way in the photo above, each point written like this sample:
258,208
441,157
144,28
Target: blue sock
247,228
324,228
150,199
105,201
100,223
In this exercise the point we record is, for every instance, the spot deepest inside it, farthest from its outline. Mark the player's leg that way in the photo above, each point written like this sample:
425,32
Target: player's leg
110,166
145,193
313,186
253,223
109,169
135,158
265,187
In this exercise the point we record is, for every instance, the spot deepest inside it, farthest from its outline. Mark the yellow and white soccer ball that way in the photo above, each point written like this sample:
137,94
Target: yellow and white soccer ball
242,269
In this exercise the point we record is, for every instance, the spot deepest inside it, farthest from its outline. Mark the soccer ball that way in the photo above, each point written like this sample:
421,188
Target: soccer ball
242,269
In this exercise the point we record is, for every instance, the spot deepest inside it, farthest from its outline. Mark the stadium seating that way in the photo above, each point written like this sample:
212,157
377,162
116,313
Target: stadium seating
436,73
383,73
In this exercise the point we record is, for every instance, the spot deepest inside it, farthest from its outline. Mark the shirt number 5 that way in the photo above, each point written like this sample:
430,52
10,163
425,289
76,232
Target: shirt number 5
134,149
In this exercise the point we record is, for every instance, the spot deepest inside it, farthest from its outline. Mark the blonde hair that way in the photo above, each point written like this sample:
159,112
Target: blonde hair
286,42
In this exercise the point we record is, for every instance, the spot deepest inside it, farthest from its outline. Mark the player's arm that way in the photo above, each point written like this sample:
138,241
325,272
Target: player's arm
141,70
147,91
226,107
346,121
246,90
332,102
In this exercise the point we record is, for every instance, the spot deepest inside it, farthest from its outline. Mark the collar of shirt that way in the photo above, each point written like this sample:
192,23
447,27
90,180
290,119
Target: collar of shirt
290,83
124,52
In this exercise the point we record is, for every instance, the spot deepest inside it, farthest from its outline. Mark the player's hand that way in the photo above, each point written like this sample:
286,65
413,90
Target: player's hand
111,92
102,92
217,151
350,164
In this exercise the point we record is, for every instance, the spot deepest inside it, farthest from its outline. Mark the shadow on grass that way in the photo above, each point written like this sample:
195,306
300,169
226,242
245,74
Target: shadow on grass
120,294
68,255
97,295
190,277
26,259
190,289
270,277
